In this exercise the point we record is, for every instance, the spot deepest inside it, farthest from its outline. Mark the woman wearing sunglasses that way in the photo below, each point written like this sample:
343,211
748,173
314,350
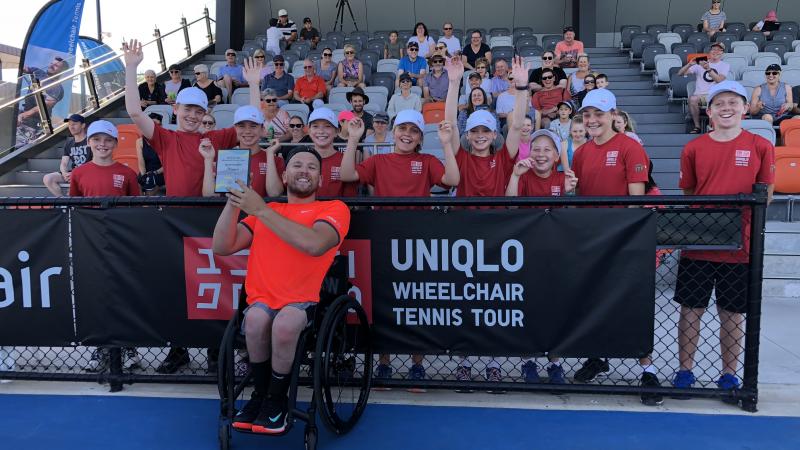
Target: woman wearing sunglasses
260,57
714,19
772,101
326,68
208,123
276,120
202,81
175,84
350,72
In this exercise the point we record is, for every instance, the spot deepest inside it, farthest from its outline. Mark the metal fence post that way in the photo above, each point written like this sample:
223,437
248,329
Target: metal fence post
185,27
209,35
160,46
753,325
90,82
44,113
115,369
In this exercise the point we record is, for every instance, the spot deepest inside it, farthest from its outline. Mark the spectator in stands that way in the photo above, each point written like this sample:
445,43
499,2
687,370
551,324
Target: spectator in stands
476,49
473,81
482,69
309,33
175,84
726,161
297,128
203,82
183,165
230,75
343,133
276,120
357,99
453,43
413,65
528,127
404,99
287,27
577,137
208,123
478,100
310,86
390,176
322,129
707,71
567,51
435,85
350,72
380,122
274,37
260,56
102,176
563,123
423,40
772,101
280,81
547,99
714,19
393,49
326,68
441,50
589,83
504,105
75,153
499,83
248,122
151,173
548,62
601,81
534,176
771,16
151,92
601,175
53,93
624,124
576,80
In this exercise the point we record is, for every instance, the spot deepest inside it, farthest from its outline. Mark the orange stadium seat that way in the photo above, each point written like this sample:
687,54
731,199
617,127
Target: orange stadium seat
792,136
125,152
787,170
787,125
433,112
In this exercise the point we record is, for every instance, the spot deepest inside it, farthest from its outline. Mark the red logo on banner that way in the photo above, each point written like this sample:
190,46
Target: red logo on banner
213,282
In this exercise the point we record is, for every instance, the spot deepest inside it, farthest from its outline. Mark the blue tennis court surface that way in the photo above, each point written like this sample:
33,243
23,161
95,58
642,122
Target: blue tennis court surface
105,422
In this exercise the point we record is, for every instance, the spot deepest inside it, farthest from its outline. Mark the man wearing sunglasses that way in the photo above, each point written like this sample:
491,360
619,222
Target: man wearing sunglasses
548,62
279,80
436,83
310,86
413,65
175,84
453,43
230,75
707,72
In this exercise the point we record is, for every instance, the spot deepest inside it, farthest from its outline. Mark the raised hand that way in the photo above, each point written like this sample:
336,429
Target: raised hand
519,71
252,72
445,132
455,68
206,149
132,53
570,181
523,166
273,146
355,129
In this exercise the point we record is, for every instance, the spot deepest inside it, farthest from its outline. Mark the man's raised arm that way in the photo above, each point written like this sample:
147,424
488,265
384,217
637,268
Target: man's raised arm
132,53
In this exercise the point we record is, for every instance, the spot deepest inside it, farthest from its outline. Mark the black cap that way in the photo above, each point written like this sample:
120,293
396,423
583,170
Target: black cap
277,58
303,149
380,117
405,76
773,68
174,67
75,118
568,28
412,44
307,19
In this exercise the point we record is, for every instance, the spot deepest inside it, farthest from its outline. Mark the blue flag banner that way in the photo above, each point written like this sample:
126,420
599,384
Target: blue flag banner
109,77
49,56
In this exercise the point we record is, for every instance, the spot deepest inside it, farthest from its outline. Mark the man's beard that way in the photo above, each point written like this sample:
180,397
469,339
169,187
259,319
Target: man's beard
300,192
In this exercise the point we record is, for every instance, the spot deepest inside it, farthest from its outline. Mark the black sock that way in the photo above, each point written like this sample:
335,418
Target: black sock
261,373
278,385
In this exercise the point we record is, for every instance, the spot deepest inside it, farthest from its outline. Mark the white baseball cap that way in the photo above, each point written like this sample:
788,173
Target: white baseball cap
553,136
726,86
282,12
323,114
248,113
104,127
602,99
192,96
481,118
411,116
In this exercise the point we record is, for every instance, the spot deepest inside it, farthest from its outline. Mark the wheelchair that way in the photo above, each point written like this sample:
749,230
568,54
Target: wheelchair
336,352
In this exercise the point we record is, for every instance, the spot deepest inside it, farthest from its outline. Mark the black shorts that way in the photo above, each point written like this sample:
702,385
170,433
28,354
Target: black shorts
697,279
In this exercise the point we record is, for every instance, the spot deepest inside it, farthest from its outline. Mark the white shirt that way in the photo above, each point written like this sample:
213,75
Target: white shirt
274,36
453,44
424,47
505,103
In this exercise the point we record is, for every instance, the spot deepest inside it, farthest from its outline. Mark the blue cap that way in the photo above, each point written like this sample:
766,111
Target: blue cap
75,118
726,86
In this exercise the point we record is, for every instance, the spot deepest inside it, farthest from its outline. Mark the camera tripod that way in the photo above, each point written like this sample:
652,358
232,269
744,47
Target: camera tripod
340,4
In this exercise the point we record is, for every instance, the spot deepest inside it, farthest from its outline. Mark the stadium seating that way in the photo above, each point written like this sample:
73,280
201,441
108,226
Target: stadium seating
656,29
683,51
166,111
433,112
241,96
125,152
223,115
683,30
761,128
669,39
663,64
649,54
549,41
627,32
787,169
638,43
297,109
763,59
737,28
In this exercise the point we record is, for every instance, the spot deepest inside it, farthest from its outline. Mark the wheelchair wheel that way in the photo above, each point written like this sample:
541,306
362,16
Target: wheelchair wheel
343,365
226,380
224,433
310,439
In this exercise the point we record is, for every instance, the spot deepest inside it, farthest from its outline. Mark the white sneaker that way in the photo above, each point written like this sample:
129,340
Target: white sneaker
130,359
98,362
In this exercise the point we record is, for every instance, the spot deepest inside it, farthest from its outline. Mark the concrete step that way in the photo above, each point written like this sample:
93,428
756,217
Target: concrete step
656,152
672,118
19,190
776,289
29,177
642,101
666,180
666,165
637,92
614,72
606,60
666,139
651,109
55,151
783,237
614,79
782,266
670,128
44,164
605,51
617,84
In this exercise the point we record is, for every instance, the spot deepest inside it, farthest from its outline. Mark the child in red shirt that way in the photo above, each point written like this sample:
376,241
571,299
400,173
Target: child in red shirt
102,176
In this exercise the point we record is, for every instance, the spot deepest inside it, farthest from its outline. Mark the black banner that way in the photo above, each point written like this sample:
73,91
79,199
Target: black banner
574,282
35,299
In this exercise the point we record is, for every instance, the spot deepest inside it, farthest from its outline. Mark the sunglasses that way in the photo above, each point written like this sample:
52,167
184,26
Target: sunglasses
230,54
295,125
308,67
440,47
448,28
174,71
270,100
208,122
548,77
588,81
772,73
327,54
197,74
437,61
259,57
547,58
278,64
412,49
349,53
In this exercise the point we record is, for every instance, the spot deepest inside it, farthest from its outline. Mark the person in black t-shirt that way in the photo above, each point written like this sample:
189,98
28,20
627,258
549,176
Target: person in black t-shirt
548,62
474,50
309,33
76,153
150,173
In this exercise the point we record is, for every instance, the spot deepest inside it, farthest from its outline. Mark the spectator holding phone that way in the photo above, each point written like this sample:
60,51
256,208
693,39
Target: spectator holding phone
708,70
772,101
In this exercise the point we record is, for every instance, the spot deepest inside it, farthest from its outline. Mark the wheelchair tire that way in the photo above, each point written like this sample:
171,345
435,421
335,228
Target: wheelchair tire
343,365
225,377
224,433
310,439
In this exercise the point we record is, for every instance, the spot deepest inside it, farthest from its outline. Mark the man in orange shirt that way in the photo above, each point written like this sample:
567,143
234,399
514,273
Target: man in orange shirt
292,245
310,86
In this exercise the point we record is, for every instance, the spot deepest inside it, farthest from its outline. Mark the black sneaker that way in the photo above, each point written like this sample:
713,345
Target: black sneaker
592,367
176,358
272,417
243,420
651,380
